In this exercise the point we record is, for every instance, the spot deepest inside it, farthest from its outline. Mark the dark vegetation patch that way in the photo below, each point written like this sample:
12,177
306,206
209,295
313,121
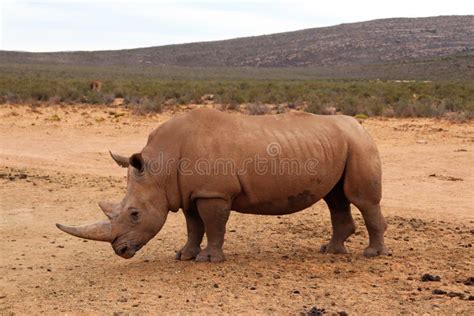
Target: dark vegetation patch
153,89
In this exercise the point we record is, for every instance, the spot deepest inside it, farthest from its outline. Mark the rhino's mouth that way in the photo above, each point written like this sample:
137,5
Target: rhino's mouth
127,251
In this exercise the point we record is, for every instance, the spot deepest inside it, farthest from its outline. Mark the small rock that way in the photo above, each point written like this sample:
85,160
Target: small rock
469,281
421,141
456,294
314,311
430,278
216,286
439,292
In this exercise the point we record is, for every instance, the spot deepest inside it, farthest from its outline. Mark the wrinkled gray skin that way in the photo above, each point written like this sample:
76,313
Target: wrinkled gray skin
348,171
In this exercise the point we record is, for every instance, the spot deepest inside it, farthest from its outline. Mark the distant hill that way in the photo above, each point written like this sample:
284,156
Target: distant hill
355,46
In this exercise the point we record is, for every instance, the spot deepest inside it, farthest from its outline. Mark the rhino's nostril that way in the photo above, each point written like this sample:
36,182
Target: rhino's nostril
122,250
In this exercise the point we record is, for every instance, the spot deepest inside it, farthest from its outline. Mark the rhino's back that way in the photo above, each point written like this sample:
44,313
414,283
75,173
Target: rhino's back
272,164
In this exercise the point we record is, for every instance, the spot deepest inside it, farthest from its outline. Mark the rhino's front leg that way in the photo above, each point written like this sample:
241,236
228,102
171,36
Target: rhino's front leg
195,228
214,214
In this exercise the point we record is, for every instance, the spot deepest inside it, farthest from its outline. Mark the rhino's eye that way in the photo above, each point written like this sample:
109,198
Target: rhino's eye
135,215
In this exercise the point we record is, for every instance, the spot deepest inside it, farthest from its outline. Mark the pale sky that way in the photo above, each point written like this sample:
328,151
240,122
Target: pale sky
54,25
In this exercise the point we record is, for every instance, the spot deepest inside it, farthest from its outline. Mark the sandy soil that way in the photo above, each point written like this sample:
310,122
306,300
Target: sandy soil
54,167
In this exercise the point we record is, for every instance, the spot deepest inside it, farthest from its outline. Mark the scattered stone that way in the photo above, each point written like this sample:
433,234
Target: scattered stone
469,281
456,294
430,278
314,311
439,292
216,286
122,299
421,141
471,298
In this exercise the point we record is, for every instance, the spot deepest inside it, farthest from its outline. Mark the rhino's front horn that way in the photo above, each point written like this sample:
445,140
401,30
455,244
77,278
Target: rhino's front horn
120,160
101,231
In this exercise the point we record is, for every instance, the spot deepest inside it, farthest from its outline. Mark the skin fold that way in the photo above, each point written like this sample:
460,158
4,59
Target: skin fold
207,163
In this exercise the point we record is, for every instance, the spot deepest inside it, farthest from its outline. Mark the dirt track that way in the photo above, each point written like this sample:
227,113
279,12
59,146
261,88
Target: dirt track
54,167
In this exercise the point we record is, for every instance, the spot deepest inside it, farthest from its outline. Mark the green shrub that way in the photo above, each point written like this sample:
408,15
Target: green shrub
146,105
258,109
42,83
361,116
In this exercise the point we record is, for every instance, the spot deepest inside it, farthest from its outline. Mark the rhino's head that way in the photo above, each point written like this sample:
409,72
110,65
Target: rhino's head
134,221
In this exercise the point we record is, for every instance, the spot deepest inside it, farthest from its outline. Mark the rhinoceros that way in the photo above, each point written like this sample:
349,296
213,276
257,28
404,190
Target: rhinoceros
207,163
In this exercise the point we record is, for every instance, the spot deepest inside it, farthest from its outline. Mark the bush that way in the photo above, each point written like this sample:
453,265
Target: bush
24,83
314,107
258,109
361,116
55,100
146,105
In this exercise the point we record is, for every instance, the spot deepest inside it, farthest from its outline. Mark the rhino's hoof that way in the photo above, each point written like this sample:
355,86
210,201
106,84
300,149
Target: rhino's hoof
333,248
188,253
376,251
210,255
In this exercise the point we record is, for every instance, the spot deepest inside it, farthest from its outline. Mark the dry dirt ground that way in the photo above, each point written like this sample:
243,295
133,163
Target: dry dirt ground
54,167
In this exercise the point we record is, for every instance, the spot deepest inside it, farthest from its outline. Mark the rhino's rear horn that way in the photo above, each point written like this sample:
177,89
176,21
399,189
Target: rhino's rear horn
101,231
120,160
108,209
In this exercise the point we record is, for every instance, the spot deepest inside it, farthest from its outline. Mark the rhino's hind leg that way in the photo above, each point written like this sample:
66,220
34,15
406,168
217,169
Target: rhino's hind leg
195,228
376,226
363,188
214,214
342,223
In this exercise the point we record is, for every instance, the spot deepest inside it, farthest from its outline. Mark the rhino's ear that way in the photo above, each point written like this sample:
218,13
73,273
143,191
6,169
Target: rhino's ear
136,161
